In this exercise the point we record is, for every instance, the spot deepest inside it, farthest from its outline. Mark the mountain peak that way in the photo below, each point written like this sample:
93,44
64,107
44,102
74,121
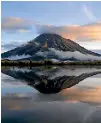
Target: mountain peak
52,46
50,34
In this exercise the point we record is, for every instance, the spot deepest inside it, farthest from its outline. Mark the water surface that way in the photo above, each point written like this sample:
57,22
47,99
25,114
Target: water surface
51,94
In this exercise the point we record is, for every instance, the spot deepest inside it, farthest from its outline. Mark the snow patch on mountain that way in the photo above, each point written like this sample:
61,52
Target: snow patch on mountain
63,55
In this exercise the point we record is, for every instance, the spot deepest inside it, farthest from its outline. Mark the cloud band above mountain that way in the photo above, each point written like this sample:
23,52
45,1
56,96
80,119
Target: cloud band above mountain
90,32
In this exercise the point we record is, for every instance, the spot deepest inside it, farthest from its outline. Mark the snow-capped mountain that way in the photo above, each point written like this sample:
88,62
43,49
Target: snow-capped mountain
51,46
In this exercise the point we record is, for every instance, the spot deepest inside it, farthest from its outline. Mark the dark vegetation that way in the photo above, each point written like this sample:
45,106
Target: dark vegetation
45,62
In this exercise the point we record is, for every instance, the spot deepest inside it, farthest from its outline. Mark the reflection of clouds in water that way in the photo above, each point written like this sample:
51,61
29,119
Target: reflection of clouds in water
53,112
93,116
89,95
64,107
9,82
10,85
91,82
65,71
96,76
16,107
20,69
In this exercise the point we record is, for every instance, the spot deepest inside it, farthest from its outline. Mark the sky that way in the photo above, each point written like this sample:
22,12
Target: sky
23,21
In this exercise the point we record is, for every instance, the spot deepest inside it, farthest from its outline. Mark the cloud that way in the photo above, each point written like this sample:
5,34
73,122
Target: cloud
11,45
67,55
3,50
91,45
16,57
89,13
15,24
90,32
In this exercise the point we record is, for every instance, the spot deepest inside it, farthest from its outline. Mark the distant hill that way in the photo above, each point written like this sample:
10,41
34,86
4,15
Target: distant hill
97,51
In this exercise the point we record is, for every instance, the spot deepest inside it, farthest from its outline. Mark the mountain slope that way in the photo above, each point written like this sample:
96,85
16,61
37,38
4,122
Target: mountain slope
60,43
51,46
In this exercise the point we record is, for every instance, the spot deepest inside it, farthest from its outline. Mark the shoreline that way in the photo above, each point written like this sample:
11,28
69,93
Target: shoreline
46,62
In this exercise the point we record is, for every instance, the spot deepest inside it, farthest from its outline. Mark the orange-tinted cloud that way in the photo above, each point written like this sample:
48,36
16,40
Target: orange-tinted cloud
15,24
90,32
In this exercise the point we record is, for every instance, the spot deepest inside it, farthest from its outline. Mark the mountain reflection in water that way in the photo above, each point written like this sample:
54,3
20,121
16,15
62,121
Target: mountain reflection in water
52,94
50,80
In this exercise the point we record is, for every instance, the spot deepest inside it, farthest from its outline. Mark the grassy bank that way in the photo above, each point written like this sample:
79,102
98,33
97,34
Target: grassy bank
46,62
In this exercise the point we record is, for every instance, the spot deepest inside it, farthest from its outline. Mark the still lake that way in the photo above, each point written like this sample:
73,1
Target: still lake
51,94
